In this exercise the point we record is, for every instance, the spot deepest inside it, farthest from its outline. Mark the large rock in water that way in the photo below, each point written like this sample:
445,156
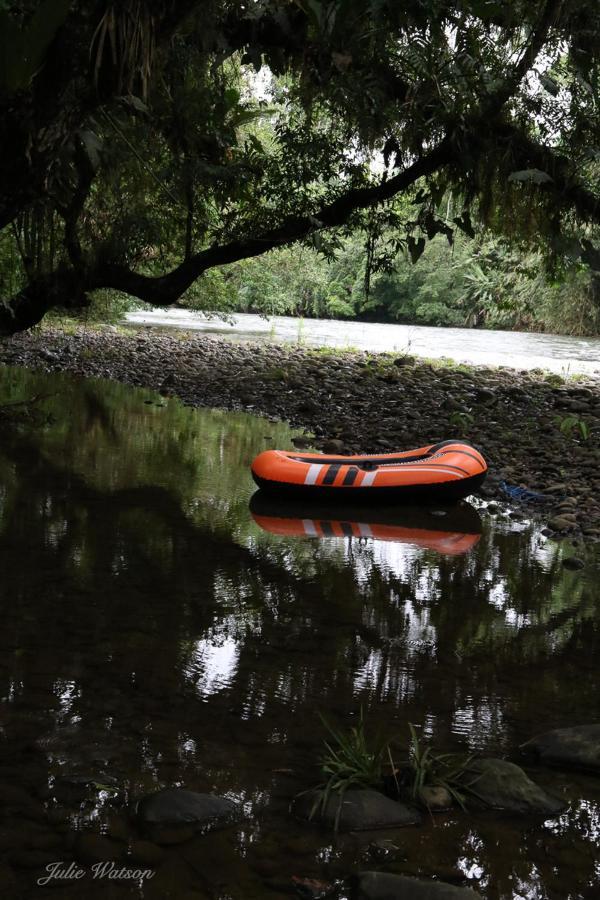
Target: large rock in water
503,785
577,747
174,815
362,810
384,886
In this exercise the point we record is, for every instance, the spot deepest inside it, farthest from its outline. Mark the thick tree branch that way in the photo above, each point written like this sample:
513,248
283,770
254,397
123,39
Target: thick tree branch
470,141
63,287
72,212
70,287
166,289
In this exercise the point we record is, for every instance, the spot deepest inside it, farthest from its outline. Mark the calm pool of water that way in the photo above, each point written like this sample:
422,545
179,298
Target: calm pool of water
156,631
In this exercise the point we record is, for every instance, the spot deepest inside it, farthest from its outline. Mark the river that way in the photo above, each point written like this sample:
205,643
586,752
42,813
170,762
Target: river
563,354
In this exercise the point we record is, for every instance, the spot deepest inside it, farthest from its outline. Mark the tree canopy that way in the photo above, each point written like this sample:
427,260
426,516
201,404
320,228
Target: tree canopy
139,147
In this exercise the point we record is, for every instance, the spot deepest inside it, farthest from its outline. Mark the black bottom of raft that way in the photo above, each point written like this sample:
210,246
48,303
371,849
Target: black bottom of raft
461,517
448,492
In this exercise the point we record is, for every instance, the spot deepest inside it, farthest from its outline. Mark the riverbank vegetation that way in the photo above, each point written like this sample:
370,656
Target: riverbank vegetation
476,283
181,140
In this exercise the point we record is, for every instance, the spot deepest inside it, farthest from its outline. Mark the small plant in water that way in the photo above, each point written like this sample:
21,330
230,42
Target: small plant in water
348,761
573,427
351,761
424,768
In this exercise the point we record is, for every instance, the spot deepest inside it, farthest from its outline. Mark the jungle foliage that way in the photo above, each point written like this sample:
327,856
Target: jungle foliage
137,152
481,282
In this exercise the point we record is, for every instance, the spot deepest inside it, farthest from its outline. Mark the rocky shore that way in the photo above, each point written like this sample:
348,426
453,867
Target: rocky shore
536,430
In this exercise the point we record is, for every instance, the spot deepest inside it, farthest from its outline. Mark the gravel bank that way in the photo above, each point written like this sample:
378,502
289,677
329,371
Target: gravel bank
358,403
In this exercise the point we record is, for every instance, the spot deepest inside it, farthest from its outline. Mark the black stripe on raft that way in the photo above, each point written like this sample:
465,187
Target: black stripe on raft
350,476
331,473
464,453
347,529
372,462
443,465
326,529
435,447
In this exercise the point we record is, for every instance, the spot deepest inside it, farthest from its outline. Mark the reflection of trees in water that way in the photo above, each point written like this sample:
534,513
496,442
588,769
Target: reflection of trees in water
108,432
149,629
489,635
122,604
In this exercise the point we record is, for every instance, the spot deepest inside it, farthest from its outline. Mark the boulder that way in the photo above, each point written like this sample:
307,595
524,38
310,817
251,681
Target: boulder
361,810
561,523
577,747
174,815
503,785
485,395
435,797
385,886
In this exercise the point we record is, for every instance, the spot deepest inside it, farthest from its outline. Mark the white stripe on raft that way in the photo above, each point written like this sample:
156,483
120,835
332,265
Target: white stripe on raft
309,527
368,479
313,473
424,469
364,530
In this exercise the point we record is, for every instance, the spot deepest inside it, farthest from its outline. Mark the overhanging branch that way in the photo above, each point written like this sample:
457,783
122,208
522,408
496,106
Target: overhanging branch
70,287
166,289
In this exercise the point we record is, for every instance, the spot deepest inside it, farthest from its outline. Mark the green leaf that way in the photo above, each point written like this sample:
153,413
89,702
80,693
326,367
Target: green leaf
93,147
245,116
591,255
135,103
534,176
415,247
465,224
549,84
231,97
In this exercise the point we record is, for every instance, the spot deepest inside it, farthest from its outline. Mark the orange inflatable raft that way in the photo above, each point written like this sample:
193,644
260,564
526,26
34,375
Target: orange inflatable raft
449,470
451,531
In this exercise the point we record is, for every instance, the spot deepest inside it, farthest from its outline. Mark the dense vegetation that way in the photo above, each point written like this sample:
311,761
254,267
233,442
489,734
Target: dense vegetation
477,283
143,146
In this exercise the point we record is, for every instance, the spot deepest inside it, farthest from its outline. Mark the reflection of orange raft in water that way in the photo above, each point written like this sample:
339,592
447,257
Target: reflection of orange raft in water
450,531
441,472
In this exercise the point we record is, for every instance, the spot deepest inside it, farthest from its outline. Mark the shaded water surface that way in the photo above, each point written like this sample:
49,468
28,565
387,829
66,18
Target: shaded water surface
155,632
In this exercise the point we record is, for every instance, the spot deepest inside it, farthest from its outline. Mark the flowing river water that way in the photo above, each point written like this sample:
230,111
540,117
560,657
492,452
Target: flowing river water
155,633
520,350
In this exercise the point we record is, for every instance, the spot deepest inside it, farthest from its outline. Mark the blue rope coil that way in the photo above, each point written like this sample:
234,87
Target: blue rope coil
524,495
